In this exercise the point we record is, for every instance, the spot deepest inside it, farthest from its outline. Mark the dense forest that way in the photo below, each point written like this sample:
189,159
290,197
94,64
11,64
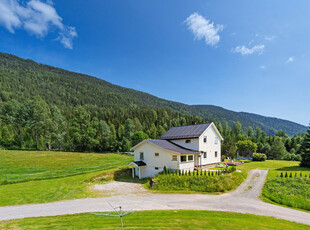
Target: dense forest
47,108
34,124
22,80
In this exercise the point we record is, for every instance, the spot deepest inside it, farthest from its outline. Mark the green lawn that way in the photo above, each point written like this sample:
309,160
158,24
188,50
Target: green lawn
72,170
272,165
20,166
156,220
291,192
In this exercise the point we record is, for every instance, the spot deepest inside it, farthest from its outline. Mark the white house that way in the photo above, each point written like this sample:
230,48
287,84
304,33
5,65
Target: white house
180,148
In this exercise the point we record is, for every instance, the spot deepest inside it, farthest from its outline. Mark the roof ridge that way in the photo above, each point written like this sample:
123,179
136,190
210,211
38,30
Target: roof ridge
191,125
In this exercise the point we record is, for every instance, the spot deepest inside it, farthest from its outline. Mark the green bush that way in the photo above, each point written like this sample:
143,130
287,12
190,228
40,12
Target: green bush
216,183
259,157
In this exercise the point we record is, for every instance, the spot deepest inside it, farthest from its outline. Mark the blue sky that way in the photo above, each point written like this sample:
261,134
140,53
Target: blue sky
247,56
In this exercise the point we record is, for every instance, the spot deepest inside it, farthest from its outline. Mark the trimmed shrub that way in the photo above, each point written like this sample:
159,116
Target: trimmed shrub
165,170
259,157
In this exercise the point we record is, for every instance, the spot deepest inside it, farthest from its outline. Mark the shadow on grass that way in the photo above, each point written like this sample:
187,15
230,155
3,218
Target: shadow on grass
293,168
125,175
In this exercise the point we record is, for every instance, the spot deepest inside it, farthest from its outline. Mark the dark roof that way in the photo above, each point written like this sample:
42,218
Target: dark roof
138,163
172,146
183,132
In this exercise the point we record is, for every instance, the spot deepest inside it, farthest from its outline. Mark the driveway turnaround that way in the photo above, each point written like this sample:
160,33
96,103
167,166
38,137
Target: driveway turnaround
245,199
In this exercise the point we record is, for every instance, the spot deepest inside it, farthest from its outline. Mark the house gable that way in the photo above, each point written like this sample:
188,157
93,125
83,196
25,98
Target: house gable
212,125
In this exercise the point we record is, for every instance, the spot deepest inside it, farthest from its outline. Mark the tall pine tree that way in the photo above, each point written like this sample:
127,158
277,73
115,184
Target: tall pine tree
305,148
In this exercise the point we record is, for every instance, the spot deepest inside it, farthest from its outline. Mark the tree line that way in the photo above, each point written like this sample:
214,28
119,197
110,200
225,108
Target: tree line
278,147
34,124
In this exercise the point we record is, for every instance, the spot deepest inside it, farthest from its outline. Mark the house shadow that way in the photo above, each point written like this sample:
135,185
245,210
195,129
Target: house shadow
293,168
125,175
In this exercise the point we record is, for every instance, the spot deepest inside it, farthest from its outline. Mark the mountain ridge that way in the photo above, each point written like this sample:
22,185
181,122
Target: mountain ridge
23,79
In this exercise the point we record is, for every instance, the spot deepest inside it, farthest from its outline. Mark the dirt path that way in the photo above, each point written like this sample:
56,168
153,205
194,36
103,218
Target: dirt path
244,200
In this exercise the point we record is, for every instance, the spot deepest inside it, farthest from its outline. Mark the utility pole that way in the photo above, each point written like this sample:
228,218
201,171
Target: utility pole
121,216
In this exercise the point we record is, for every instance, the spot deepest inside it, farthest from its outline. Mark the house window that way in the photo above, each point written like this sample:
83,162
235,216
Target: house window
183,158
174,157
156,154
205,155
215,154
188,141
141,156
190,158
205,139
216,140
156,168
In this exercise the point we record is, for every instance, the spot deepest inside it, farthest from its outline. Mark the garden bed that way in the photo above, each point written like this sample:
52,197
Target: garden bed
199,181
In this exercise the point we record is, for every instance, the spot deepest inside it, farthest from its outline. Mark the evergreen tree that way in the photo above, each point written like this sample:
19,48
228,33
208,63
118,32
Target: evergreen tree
305,149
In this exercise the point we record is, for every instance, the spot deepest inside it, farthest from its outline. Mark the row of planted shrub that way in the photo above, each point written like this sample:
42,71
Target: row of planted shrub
291,174
198,183
198,172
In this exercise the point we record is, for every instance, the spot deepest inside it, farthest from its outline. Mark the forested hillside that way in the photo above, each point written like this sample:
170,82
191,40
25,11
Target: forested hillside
22,80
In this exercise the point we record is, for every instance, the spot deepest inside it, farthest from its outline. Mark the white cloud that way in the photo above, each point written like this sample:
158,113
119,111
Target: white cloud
290,59
37,18
269,38
203,28
259,49
262,67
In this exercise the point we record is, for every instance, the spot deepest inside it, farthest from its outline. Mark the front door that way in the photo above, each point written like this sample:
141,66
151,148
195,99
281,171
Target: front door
197,160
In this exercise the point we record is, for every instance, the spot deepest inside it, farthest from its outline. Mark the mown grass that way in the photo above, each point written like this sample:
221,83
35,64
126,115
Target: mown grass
290,191
200,183
72,181
20,166
162,220
270,165
44,191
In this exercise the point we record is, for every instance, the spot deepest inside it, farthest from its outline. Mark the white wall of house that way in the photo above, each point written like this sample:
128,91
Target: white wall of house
153,162
212,145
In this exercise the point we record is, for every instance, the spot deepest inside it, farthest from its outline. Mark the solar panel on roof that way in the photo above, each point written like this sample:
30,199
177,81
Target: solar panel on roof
189,131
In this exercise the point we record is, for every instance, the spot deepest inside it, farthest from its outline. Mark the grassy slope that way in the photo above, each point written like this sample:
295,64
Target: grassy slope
18,166
201,183
62,164
156,220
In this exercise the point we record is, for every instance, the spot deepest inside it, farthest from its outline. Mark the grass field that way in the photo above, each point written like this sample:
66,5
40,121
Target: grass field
171,220
42,190
20,166
291,192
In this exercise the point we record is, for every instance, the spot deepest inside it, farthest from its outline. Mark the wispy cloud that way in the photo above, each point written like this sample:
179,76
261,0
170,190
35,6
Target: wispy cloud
269,38
204,29
259,49
290,59
262,67
37,18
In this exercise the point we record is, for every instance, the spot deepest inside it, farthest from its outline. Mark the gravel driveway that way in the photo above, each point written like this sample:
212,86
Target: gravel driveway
244,200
